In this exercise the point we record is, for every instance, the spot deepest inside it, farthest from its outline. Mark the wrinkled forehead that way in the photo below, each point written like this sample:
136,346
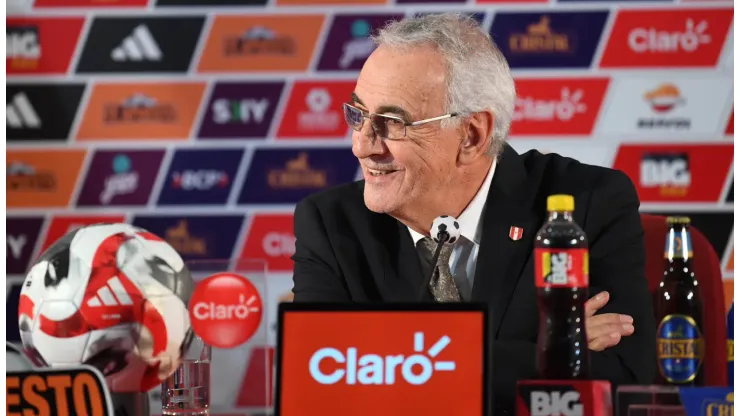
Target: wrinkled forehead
413,80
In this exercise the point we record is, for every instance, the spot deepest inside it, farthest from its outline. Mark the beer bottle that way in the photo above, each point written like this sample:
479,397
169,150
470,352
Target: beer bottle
679,311
731,346
561,279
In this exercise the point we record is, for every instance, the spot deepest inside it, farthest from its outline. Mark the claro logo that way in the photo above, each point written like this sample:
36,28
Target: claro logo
643,40
374,369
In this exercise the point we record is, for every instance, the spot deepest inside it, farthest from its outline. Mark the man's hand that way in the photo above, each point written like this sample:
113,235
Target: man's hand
607,329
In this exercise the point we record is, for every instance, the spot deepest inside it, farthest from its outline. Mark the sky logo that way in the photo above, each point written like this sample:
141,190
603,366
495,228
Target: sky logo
374,369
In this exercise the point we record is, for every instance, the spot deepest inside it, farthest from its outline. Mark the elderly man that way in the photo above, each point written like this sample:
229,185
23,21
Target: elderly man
431,112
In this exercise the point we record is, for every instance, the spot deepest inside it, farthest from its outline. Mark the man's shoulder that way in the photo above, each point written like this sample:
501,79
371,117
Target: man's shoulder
347,196
560,172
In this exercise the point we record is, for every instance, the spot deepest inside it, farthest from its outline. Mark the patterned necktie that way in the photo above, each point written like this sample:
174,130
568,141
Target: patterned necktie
442,285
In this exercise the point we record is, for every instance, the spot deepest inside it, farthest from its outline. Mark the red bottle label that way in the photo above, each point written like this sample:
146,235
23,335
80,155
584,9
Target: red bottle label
561,267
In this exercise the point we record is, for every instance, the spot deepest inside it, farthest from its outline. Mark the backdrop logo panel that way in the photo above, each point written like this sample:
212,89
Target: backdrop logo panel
41,178
141,111
165,3
41,45
314,110
328,2
42,4
652,107
61,225
285,176
120,177
261,43
676,172
140,44
270,238
36,112
548,39
348,45
551,106
200,176
667,38
321,352
196,237
239,110
21,236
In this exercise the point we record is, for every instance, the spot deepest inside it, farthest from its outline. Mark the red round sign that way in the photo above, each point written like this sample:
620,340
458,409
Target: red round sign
225,310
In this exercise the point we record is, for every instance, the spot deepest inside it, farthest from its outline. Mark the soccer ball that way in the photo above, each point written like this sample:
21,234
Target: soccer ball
113,296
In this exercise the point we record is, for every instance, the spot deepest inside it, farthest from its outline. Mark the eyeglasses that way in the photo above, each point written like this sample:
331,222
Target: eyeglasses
384,126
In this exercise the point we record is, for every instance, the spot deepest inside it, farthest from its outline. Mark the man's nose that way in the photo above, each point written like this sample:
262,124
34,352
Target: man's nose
366,143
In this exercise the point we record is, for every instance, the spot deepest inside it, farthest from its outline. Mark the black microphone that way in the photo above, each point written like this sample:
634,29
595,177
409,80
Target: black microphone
445,230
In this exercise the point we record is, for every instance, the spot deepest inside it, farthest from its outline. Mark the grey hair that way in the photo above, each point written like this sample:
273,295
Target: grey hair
478,76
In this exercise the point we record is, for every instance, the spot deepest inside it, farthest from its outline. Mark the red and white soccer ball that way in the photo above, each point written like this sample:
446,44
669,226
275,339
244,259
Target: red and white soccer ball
113,296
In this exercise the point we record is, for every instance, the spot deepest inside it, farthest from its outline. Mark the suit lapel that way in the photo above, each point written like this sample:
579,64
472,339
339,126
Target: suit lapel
394,249
501,258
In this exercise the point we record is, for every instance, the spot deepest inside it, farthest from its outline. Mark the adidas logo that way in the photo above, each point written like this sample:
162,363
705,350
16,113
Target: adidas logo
138,46
104,296
20,113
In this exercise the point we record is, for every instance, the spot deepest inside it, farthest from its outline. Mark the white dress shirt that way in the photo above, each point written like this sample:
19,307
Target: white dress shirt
465,252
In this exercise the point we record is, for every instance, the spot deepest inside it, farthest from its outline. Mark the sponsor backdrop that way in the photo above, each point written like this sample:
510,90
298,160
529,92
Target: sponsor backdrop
205,121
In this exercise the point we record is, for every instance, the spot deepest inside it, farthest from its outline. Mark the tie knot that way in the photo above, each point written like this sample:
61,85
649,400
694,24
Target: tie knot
430,246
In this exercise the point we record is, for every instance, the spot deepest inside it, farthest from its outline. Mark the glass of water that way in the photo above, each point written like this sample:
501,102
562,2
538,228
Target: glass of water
188,390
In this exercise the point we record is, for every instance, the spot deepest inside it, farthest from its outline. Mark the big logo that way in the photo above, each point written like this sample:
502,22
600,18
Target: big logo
421,357
667,38
200,176
41,45
551,39
676,172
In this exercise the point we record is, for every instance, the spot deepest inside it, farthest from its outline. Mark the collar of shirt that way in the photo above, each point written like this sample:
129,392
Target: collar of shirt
470,218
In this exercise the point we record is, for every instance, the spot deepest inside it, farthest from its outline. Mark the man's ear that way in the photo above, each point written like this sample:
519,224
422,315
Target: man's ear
477,129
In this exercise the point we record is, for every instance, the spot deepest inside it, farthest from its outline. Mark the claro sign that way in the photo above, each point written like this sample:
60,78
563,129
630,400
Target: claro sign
364,362
375,369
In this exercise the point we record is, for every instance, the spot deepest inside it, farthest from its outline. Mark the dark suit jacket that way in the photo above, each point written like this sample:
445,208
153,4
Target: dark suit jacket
346,253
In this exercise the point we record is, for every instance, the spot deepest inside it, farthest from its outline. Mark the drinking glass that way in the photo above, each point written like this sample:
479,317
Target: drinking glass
188,390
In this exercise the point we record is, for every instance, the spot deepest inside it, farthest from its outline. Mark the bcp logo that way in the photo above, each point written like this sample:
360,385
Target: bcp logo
557,106
271,239
225,310
676,172
364,360
667,38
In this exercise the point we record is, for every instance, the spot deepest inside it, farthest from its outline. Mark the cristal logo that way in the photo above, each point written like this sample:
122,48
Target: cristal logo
279,244
530,108
374,369
642,40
